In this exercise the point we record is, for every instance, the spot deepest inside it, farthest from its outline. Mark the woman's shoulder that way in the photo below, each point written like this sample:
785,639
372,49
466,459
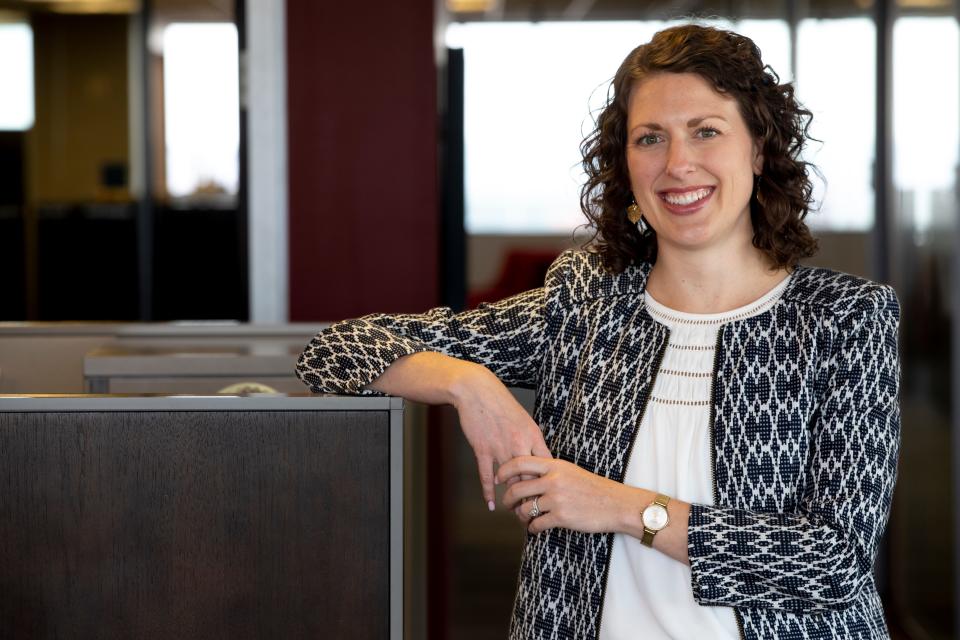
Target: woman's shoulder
836,294
578,275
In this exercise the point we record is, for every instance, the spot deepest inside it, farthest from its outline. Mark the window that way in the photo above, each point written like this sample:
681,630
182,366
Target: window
925,128
844,119
528,99
201,109
16,77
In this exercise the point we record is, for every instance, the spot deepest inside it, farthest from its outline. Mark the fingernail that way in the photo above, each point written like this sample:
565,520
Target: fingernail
491,506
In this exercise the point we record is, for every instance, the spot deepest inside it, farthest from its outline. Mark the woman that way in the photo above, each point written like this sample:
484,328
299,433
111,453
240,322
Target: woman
699,392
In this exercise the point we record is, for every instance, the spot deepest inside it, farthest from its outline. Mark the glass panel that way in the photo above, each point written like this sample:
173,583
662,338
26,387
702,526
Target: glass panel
773,38
16,77
202,109
80,219
527,99
925,142
925,108
844,118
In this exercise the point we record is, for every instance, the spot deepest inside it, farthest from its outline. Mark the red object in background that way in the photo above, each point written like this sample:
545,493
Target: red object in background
362,129
522,270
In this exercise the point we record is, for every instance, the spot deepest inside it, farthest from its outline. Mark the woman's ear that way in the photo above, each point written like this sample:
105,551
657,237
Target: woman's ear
757,158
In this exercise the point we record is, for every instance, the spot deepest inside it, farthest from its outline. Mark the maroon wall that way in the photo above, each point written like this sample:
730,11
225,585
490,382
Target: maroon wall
362,132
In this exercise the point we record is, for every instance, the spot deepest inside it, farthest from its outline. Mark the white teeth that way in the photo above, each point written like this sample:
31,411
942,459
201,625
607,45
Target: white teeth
686,198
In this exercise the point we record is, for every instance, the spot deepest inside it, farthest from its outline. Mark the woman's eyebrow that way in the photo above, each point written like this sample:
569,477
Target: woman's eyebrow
692,122
695,121
653,126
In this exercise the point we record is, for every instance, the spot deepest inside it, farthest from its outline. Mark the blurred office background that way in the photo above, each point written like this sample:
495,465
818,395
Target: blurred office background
302,161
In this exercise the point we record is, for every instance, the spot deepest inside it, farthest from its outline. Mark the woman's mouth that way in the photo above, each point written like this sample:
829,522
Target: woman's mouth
686,200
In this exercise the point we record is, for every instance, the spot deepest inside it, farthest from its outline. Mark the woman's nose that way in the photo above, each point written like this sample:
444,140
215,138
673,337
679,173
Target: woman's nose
680,159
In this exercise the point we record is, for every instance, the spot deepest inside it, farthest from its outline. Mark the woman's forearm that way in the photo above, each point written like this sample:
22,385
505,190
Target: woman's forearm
571,497
430,377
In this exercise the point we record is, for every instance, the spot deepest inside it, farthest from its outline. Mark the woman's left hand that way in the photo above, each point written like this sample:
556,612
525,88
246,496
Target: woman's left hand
569,496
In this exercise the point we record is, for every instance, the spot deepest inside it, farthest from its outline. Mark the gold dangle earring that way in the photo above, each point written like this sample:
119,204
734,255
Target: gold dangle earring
756,191
636,217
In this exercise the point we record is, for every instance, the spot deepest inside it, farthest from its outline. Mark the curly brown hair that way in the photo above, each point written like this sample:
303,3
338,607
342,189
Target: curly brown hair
731,64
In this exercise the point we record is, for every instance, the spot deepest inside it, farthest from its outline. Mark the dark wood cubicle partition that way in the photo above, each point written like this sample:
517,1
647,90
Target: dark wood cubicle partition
216,517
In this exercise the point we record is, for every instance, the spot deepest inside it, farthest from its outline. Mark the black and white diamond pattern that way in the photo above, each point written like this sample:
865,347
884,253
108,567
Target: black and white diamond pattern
806,436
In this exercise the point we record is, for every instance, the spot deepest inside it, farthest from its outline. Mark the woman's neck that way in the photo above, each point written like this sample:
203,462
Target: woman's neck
699,282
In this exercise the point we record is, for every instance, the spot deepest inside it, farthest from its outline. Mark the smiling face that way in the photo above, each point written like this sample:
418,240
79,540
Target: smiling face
692,163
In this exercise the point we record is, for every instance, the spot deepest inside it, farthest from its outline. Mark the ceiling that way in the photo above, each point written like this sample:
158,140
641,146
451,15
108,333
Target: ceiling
520,10
543,10
165,10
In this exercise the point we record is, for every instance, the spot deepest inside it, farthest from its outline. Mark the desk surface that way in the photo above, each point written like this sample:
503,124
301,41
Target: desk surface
255,357
162,329
271,402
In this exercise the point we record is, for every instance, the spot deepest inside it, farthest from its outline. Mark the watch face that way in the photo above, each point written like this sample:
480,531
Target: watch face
655,517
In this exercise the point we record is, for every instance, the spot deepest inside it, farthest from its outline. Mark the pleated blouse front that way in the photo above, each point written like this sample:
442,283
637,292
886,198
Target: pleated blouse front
648,594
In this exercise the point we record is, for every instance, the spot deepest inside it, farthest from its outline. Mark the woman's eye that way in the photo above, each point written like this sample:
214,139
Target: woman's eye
707,132
648,139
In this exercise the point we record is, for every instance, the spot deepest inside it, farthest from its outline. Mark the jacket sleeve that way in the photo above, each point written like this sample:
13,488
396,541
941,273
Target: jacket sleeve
507,337
822,556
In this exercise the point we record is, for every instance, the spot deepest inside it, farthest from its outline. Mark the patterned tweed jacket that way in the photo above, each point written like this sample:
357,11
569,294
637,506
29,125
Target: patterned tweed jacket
805,433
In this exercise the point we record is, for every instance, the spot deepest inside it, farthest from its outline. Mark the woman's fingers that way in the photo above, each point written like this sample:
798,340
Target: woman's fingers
523,465
539,523
540,449
524,510
485,467
521,492
544,522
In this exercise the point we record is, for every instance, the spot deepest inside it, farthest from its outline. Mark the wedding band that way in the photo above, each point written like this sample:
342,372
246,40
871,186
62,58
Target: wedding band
535,512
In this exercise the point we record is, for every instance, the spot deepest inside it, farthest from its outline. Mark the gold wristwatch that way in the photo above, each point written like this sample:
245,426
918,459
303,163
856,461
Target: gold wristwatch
655,518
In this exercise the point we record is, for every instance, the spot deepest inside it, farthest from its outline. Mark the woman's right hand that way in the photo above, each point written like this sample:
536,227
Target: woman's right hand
497,427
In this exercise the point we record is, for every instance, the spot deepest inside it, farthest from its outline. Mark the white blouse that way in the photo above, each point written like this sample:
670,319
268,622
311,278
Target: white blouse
648,594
